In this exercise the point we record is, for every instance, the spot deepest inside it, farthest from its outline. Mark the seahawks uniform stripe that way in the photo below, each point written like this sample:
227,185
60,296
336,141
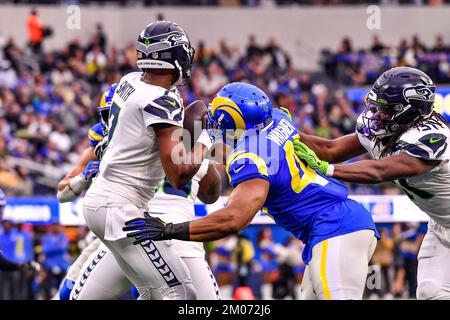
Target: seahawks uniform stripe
160,264
430,146
434,141
156,111
87,273
167,102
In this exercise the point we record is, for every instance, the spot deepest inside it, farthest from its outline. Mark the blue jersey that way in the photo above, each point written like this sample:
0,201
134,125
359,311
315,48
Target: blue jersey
311,206
96,134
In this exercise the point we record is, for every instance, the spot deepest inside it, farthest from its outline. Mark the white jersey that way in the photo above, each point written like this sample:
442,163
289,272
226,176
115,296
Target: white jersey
177,205
430,191
131,170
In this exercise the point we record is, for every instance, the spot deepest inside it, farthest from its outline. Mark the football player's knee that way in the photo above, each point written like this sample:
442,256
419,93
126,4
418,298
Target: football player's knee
429,289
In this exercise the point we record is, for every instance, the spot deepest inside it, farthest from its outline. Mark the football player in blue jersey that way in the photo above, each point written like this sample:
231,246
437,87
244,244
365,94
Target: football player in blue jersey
78,180
339,233
81,175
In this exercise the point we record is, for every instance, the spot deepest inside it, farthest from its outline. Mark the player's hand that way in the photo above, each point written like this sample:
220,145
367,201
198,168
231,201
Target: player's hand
91,170
147,228
310,157
285,110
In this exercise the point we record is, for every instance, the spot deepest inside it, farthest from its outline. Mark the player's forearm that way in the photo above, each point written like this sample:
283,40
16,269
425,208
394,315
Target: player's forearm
387,169
210,186
336,150
72,189
322,147
366,171
217,225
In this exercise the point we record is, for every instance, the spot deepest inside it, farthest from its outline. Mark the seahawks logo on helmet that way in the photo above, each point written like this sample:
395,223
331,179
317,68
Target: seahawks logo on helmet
177,38
418,93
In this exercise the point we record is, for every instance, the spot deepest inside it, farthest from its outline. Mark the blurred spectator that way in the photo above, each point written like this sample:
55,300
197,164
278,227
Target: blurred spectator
290,269
407,239
17,246
412,238
377,46
383,258
55,245
243,254
35,32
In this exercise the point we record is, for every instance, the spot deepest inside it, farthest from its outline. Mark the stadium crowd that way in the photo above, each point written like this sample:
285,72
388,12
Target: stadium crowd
48,101
362,66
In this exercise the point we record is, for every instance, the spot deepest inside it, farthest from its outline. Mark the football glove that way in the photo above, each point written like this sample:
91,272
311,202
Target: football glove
151,228
310,157
91,170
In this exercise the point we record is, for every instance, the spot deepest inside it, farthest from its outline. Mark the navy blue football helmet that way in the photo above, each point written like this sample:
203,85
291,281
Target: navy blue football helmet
399,97
237,108
165,45
105,105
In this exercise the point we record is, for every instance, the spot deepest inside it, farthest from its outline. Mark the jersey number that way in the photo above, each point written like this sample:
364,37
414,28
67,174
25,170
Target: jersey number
298,182
113,118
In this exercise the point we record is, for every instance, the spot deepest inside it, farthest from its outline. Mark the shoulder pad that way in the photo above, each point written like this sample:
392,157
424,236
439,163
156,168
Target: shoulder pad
165,107
429,141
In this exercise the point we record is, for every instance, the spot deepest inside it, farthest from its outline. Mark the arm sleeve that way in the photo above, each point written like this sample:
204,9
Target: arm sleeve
244,165
165,109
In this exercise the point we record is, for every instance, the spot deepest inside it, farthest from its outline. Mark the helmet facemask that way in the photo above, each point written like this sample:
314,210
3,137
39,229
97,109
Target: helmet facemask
229,136
380,120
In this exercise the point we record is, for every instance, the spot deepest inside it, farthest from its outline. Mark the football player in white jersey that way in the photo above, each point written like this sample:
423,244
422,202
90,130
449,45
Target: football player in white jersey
95,275
408,142
101,278
143,147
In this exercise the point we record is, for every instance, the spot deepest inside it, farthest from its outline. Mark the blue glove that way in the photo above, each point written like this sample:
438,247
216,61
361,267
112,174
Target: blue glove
66,289
91,170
